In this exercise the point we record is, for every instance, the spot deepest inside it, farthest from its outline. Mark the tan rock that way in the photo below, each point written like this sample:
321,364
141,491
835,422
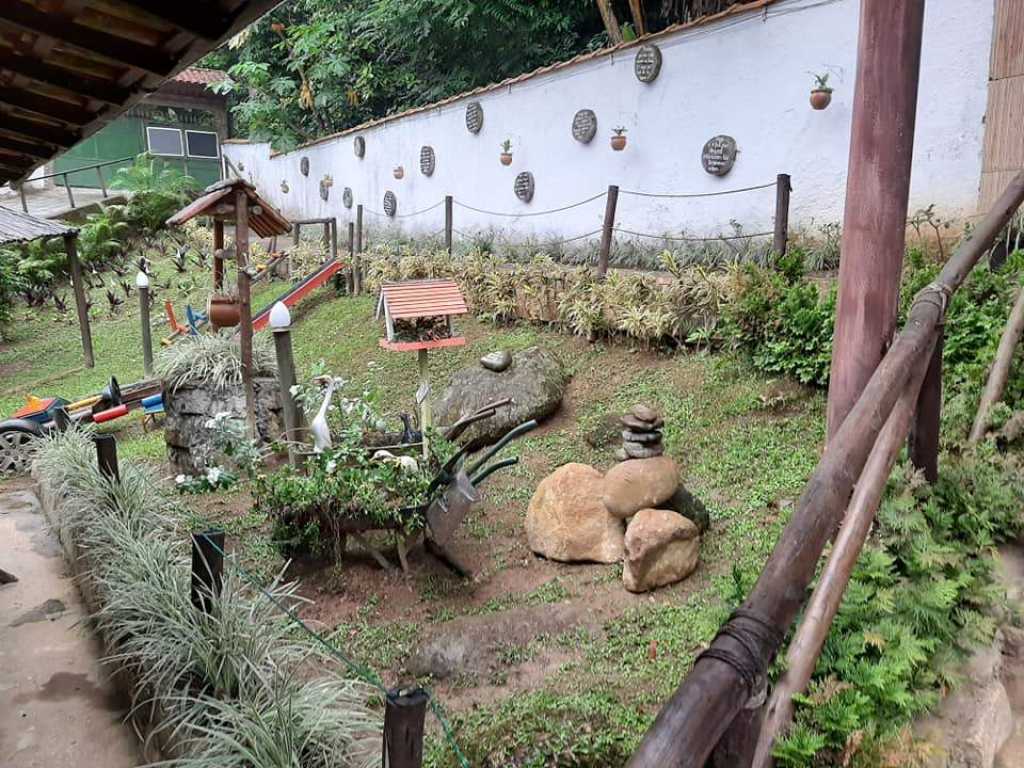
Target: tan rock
662,547
566,520
640,484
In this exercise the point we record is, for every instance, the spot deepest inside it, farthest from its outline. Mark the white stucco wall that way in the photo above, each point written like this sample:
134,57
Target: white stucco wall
747,76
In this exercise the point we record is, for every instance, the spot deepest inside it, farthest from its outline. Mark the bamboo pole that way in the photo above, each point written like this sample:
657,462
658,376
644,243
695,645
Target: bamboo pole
1000,372
804,649
703,707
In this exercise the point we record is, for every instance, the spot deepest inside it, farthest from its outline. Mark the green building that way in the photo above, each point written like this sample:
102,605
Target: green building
183,123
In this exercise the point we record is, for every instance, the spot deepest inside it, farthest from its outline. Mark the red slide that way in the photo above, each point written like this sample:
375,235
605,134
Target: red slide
309,284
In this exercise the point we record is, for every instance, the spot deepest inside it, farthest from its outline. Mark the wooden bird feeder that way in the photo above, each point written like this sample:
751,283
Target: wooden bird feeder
236,201
418,317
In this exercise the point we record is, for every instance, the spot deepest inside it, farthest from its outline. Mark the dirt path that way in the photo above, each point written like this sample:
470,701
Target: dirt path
56,708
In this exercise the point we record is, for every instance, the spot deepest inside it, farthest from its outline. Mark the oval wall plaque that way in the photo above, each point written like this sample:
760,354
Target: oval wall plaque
427,160
647,64
390,203
284,187
584,126
304,166
524,186
474,117
719,155
346,197
359,146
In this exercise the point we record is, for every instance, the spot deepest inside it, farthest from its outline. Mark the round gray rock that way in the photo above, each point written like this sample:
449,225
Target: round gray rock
641,437
640,451
497,361
535,381
637,425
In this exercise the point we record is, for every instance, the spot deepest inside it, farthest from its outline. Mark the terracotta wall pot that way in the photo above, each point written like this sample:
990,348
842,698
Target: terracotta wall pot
618,143
821,99
223,311
506,158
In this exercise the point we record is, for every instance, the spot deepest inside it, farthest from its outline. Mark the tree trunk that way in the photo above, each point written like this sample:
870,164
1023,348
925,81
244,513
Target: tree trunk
1000,372
611,24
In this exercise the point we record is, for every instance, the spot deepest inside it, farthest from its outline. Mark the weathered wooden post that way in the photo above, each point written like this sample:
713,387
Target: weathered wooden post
296,233
923,445
404,715
106,456
142,283
782,190
357,265
423,397
877,187
606,230
245,303
207,568
281,322
351,258
448,201
218,259
334,237
78,286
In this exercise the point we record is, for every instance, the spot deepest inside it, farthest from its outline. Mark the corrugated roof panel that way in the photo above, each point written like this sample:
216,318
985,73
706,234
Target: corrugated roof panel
18,227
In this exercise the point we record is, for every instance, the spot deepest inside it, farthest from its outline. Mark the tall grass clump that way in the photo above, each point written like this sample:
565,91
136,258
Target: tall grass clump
227,687
212,359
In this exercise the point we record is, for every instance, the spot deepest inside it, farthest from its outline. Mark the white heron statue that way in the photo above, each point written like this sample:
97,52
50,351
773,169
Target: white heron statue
321,431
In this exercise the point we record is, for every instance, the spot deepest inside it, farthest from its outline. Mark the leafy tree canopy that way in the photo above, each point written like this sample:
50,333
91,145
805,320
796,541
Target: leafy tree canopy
313,67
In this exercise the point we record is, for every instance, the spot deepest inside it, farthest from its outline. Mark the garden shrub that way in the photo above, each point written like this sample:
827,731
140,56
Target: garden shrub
11,284
157,192
922,596
228,681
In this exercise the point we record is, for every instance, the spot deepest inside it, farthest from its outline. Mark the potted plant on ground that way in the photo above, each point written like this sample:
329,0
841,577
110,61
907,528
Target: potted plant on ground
821,94
618,139
399,172
506,152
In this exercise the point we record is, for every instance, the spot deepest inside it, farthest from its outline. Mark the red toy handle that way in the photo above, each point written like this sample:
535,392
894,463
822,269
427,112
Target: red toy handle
110,414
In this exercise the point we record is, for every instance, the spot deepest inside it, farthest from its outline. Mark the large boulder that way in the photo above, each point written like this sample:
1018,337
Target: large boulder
190,443
566,520
640,484
535,381
662,548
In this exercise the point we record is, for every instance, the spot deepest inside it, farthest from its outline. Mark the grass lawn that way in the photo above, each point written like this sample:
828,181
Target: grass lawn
559,665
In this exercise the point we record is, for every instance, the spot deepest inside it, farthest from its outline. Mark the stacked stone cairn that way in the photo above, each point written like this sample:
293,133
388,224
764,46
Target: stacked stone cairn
641,438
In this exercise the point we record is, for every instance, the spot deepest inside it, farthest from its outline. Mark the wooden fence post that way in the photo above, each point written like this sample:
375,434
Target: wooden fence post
78,286
606,231
448,200
207,568
218,255
923,445
404,713
296,236
782,190
357,266
877,190
334,238
106,456
142,283
285,381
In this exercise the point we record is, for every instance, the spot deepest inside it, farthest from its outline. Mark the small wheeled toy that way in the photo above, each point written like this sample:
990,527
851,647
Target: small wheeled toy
42,415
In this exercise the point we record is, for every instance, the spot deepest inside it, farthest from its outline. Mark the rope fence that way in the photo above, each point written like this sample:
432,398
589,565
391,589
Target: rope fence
608,229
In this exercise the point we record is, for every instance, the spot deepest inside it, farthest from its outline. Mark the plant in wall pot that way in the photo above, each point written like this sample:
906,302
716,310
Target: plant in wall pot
821,94
618,139
506,152
399,172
